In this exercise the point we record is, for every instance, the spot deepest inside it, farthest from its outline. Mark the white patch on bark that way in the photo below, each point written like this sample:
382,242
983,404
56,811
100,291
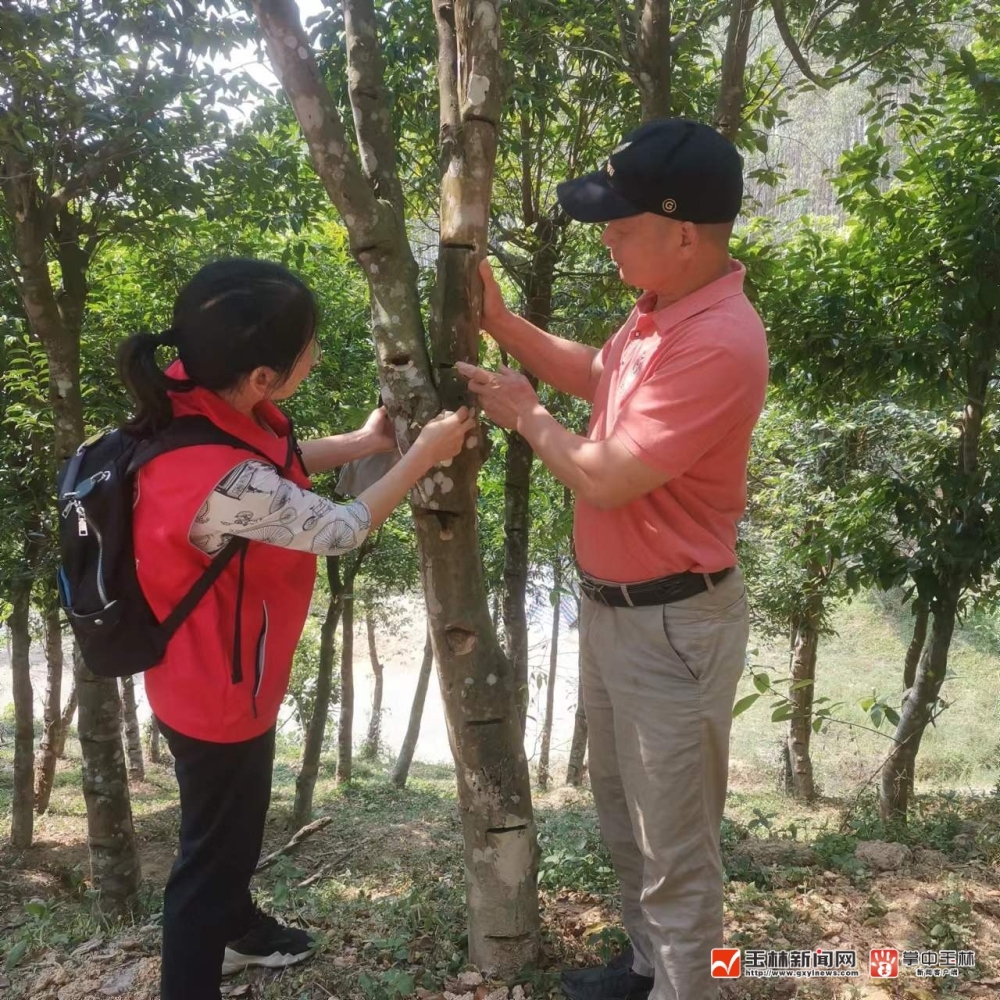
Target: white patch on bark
291,41
64,387
369,157
486,15
513,855
478,88
491,679
469,681
303,52
434,606
427,486
311,112
472,442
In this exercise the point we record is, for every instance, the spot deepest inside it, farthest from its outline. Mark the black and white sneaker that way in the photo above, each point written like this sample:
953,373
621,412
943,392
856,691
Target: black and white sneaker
268,944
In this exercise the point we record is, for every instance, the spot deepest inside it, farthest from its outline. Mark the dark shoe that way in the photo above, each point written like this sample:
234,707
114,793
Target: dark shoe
614,981
269,944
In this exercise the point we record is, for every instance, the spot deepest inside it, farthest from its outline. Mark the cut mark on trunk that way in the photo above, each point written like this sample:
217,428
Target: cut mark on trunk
484,722
457,246
461,641
508,937
398,361
506,829
479,118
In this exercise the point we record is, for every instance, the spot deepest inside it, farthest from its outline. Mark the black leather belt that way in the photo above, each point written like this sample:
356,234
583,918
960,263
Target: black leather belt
666,590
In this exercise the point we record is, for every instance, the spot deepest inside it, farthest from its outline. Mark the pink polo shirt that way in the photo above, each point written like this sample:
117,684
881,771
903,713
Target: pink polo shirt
682,388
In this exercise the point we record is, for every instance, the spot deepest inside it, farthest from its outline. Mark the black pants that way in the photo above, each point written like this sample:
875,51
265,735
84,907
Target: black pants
225,791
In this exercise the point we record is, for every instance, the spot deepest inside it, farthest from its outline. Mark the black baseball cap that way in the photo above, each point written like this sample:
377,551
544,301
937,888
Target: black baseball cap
672,167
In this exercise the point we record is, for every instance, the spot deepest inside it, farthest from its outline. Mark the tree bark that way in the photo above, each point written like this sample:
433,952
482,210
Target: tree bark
916,646
374,738
305,783
22,807
653,59
345,732
45,764
154,741
918,708
805,640
402,769
114,860
479,696
578,748
516,522
133,737
546,228
550,694
729,104
67,714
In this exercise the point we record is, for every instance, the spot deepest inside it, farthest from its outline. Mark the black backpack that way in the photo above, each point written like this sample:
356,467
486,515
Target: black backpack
98,586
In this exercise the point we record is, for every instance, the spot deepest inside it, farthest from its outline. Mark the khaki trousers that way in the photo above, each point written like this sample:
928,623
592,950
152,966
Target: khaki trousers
658,685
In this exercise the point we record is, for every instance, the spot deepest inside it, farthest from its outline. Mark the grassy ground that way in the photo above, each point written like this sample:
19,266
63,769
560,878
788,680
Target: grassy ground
388,905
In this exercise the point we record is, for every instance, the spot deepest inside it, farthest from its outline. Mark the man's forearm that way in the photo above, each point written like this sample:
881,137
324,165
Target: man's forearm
563,364
572,459
323,454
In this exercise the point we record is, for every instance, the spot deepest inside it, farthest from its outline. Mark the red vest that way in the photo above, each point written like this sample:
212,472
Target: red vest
226,669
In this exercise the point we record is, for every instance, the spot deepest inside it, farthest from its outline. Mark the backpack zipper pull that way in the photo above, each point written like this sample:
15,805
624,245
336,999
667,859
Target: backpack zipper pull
81,522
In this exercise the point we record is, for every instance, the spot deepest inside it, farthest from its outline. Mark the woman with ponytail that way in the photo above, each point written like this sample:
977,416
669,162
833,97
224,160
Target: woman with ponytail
245,336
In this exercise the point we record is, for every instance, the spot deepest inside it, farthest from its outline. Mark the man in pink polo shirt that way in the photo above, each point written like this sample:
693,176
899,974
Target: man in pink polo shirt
660,483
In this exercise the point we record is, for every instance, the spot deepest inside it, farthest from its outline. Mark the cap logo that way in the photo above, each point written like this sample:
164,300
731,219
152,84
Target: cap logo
610,168
618,149
669,205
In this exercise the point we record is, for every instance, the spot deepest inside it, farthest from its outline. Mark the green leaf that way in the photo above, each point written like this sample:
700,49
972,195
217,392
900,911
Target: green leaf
743,704
762,682
16,953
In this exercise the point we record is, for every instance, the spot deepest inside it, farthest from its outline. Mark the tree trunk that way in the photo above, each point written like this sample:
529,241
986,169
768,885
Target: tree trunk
405,758
913,653
22,807
133,738
45,765
477,684
154,740
550,694
345,733
113,856
729,104
653,59
578,748
67,713
305,783
546,227
805,639
516,522
916,646
918,709
374,738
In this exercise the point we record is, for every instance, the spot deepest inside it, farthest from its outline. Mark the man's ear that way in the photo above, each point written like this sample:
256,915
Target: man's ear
690,237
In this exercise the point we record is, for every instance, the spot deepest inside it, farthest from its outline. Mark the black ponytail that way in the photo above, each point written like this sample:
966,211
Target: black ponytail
146,382
232,317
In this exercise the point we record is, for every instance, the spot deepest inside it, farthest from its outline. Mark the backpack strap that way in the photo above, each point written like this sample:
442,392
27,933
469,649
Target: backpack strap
201,586
186,432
